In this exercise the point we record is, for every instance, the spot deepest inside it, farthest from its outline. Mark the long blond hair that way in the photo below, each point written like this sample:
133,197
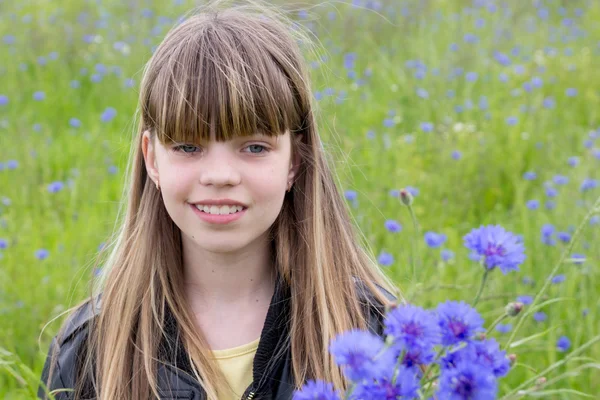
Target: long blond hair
228,70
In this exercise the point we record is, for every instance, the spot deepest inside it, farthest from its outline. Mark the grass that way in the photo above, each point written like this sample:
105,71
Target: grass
370,117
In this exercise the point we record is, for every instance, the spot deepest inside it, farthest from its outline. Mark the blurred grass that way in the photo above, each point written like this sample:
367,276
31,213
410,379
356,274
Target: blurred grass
372,156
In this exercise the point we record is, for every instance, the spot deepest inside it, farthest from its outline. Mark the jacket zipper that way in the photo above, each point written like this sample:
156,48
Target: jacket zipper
250,396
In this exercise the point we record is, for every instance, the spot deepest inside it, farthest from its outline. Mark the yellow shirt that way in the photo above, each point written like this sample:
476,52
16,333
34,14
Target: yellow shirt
236,364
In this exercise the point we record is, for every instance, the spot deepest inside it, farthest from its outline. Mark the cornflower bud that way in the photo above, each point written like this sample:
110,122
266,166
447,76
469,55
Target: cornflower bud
512,358
513,309
405,197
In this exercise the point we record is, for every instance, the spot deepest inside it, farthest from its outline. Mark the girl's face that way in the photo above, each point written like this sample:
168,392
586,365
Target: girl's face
253,170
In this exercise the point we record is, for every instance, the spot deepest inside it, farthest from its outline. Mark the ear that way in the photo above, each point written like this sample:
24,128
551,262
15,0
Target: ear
295,162
150,156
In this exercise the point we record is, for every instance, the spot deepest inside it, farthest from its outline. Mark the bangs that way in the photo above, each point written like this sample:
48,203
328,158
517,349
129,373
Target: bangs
220,82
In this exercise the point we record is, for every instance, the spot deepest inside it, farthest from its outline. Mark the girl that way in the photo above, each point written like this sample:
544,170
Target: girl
236,261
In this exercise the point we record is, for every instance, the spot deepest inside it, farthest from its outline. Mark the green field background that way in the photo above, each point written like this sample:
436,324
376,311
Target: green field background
408,93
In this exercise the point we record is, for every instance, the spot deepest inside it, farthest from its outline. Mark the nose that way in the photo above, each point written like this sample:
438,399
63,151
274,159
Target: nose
218,165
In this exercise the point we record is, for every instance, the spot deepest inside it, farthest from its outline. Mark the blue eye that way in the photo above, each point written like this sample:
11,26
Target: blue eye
183,147
257,145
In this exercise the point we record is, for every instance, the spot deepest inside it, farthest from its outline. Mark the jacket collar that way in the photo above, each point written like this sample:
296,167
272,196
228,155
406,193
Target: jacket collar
272,347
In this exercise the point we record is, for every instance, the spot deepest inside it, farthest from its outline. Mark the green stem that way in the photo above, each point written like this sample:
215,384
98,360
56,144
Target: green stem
496,322
485,275
563,257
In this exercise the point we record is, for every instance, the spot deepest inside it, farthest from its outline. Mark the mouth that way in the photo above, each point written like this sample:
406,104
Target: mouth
219,210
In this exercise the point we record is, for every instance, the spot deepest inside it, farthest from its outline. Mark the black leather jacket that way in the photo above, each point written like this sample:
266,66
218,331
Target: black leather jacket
272,373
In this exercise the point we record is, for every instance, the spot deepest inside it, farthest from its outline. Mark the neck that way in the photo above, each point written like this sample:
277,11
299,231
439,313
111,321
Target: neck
224,280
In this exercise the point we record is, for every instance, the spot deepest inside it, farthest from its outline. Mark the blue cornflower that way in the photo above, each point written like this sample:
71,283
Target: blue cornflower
12,164
75,123
350,195
471,76
560,278
42,254
595,220
588,184
433,239
504,328
405,387
577,258
316,390
422,93
497,247
3,100
355,351
467,381
533,204
560,179
456,155
426,126
108,114
3,243
413,329
571,92
529,175
564,237
39,96
56,186
540,316
385,259
446,254
485,353
525,299
563,344
393,226
549,102
573,161
458,321
412,190
547,231
512,120
502,58
551,192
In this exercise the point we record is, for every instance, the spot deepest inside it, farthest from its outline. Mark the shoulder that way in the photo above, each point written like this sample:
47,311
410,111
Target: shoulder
78,321
374,309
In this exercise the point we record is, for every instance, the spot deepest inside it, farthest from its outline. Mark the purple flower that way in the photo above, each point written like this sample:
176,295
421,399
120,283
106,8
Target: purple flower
75,123
547,232
39,96
458,321
564,237
551,192
433,239
350,195
540,316
108,114
530,175
385,259
486,353
55,187
422,93
497,247
415,330
558,278
525,299
447,255
577,258
456,155
42,254
405,387
3,243
563,344
356,352
573,161
504,328
316,390
3,100
571,92
560,179
467,381
393,226
533,204
502,58
426,126
588,184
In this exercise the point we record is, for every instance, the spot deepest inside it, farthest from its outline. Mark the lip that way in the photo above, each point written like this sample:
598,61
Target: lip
218,219
220,202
